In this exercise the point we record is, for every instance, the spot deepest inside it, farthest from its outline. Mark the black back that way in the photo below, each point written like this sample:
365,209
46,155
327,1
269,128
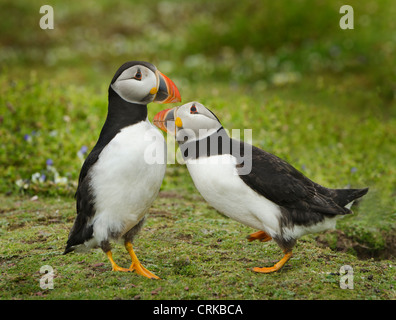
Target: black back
302,201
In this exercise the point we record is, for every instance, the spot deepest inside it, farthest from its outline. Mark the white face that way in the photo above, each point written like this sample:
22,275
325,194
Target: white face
196,122
137,84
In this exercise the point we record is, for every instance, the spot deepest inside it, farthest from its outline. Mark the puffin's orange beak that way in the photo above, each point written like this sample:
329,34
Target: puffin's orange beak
165,121
167,90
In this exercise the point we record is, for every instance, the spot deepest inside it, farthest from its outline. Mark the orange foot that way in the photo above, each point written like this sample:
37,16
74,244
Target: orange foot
136,265
259,235
277,266
114,266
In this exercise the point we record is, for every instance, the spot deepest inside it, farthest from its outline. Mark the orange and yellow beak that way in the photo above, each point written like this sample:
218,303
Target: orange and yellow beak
165,120
167,91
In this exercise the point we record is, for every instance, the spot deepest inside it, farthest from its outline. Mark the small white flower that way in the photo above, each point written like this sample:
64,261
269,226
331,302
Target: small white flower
19,183
36,177
60,180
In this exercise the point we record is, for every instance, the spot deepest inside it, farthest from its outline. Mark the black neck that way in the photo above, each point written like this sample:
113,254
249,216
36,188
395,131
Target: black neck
218,143
120,114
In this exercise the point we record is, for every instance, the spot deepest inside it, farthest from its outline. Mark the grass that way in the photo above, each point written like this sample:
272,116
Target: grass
321,98
197,253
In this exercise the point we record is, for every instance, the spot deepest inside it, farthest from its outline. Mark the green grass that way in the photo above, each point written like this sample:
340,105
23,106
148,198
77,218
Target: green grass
319,97
197,253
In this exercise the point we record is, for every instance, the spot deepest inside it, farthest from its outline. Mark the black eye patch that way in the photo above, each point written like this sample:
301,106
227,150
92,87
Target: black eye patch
193,109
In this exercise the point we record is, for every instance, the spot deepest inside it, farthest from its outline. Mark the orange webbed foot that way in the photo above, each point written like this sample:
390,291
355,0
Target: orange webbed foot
277,266
259,235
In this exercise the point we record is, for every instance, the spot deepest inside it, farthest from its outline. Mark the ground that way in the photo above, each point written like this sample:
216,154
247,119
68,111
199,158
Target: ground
198,253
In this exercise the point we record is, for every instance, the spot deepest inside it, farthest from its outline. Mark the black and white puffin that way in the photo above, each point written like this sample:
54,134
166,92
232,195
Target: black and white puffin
250,185
119,181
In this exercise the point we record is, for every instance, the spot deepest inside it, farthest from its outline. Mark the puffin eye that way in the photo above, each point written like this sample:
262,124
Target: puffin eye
193,109
138,75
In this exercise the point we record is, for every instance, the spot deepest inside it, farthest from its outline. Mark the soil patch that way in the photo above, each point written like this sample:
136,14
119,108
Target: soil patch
363,251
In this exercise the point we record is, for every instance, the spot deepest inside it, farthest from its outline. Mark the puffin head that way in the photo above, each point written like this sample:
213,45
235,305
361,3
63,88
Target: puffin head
140,82
190,122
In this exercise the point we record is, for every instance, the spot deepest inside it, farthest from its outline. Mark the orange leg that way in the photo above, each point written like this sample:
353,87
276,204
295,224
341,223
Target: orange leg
136,265
259,235
114,266
277,266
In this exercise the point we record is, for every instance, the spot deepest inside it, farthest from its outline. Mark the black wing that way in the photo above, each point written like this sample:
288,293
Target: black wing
281,183
80,232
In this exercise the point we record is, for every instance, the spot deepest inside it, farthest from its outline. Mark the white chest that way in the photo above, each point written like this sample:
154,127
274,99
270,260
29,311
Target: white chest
127,176
218,182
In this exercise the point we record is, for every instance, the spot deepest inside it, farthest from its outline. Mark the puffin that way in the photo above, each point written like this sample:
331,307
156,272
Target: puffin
250,185
120,178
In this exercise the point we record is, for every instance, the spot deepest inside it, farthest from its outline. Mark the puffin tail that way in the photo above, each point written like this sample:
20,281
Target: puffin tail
68,249
346,197
78,235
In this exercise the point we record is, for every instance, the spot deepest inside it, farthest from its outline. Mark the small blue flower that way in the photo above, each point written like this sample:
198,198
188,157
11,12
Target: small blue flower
27,137
84,149
353,169
82,152
49,162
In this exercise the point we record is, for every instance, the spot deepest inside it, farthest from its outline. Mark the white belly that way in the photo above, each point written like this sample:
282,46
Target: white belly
218,182
126,179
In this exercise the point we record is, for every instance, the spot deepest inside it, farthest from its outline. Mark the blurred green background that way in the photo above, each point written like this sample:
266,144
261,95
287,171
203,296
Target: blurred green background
233,41
318,96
